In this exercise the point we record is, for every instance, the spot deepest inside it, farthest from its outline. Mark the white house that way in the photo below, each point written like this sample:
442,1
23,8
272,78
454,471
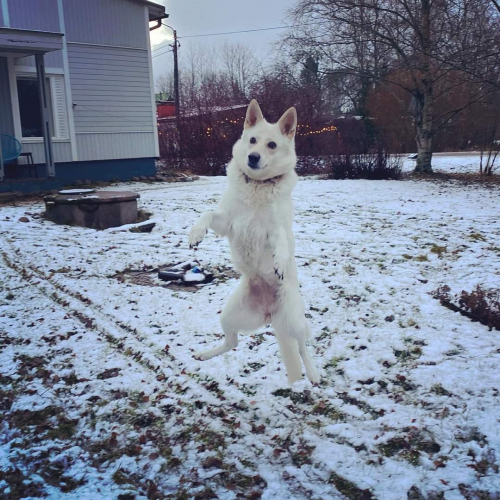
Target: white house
76,89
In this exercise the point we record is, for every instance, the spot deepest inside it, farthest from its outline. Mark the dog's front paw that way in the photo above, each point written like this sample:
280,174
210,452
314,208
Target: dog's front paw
279,266
196,236
280,274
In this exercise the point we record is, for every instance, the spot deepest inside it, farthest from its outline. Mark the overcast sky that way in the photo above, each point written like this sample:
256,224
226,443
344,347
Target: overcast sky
196,17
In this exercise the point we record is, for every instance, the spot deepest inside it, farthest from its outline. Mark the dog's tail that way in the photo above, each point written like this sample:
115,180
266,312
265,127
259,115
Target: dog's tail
289,348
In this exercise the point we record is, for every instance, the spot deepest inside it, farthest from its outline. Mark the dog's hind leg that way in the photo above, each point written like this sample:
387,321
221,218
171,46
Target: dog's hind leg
311,369
237,315
292,331
289,350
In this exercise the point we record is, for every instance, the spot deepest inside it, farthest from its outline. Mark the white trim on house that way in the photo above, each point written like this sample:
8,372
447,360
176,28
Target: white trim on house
107,45
39,140
32,69
116,132
67,82
14,99
152,87
29,42
58,106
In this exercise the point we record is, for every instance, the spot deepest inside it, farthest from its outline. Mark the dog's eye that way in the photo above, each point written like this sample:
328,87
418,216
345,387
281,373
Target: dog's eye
272,145
253,140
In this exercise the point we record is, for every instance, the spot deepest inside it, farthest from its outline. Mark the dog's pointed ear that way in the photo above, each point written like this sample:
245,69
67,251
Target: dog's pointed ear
254,114
288,123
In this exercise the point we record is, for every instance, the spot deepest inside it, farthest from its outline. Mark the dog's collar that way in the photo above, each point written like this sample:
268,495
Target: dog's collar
272,180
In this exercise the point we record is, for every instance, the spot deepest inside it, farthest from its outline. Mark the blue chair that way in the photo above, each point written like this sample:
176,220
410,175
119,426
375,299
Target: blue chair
11,148
11,151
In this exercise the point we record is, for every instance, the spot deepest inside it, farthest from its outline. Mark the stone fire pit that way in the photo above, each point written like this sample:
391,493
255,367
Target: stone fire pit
89,208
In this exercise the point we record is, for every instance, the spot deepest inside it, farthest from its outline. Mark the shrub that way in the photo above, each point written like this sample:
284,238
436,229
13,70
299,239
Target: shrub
375,166
309,165
479,305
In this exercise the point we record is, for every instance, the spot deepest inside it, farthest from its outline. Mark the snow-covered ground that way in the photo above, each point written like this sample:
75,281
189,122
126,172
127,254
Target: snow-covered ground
457,163
100,396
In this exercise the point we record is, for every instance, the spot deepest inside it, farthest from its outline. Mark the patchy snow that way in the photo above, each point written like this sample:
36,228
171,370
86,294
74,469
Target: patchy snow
457,163
76,191
100,395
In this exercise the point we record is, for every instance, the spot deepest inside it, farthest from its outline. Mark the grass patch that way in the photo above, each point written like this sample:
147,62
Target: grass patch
326,410
27,418
408,354
476,237
437,249
21,486
418,258
440,390
65,430
296,397
6,399
421,258
348,489
303,455
333,363
256,366
410,446
360,404
120,477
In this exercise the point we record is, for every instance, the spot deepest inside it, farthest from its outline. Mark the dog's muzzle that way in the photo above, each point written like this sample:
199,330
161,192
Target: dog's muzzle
253,160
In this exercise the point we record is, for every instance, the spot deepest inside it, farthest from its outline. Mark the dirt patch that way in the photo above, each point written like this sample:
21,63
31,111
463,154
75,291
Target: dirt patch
465,178
410,446
149,277
348,489
21,486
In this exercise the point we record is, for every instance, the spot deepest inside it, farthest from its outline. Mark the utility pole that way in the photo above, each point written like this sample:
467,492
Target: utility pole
175,46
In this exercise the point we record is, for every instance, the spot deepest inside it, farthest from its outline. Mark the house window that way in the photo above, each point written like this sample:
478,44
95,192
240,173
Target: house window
29,107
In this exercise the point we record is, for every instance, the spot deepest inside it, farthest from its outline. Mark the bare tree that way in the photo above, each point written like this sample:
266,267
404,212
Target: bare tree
240,67
165,83
411,44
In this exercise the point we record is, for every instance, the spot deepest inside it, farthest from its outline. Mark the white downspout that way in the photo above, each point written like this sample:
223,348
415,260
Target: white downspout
67,83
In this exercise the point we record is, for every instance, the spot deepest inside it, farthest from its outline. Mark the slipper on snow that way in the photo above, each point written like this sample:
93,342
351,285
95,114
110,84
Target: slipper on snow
187,272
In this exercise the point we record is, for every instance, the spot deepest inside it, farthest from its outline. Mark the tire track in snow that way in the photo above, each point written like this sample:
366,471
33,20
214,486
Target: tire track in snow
118,336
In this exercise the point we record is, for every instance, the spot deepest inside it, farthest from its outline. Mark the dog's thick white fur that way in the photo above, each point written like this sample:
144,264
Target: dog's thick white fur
255,214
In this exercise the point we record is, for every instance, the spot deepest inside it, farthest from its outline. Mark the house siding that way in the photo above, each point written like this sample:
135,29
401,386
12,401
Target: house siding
106,64
110,146
6,119
41,15
52,60
61,150
112,101
114,22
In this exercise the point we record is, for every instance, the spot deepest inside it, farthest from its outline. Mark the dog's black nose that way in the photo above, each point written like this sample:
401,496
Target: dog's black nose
253,160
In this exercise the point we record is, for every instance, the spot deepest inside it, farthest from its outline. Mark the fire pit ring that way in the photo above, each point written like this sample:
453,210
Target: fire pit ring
94,209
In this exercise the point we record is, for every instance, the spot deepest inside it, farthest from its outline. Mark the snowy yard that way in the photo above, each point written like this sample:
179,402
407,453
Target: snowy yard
456,163
100,397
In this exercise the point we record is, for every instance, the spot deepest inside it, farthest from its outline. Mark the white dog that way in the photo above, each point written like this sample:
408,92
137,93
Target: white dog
255,214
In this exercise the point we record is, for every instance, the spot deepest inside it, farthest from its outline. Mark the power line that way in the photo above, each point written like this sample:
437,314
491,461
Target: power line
234,32
161,45
161,53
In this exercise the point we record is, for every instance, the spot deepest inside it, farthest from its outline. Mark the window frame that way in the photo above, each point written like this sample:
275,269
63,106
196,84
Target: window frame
57,136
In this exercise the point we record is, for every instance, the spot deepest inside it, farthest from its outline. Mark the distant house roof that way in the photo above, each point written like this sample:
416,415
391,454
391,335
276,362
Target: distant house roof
210,110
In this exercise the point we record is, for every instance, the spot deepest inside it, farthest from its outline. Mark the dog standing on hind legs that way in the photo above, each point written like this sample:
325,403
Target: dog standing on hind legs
255,214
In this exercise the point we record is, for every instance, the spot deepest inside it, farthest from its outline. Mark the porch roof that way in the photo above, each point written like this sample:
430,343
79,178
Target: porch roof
28,42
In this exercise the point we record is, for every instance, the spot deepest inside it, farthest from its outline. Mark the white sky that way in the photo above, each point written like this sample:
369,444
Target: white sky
193,17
